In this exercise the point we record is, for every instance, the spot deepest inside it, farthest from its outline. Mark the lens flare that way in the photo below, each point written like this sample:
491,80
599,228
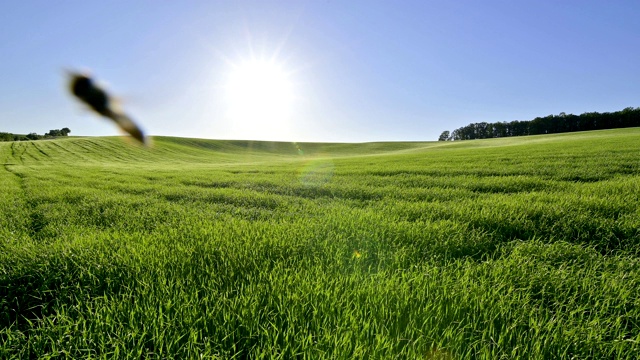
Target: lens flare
317,172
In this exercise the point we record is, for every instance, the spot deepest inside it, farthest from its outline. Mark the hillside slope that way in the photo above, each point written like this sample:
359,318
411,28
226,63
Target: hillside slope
93,150
491,249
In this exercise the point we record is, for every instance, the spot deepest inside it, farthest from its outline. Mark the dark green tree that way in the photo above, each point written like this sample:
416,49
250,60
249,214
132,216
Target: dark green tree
6,136
58,132
444,136
551,124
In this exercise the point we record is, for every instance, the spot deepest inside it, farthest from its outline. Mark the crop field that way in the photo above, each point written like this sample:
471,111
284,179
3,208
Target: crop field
509,248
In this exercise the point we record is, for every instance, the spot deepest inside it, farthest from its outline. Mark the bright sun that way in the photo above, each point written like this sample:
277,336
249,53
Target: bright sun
260,99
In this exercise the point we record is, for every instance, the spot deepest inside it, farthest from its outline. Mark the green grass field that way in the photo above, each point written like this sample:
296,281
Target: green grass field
511,248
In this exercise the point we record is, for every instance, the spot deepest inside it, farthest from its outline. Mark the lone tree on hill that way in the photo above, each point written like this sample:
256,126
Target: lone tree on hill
61,132
444,136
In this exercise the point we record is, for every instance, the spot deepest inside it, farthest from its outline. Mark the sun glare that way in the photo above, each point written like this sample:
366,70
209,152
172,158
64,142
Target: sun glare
260,99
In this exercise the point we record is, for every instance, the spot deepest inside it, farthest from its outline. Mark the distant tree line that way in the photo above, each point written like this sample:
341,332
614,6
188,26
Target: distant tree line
552,124
4,136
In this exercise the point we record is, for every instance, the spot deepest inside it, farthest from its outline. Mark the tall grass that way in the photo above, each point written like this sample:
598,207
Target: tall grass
504,248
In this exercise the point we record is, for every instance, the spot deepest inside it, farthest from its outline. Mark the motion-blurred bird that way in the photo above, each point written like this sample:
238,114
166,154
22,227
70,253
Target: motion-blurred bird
84,88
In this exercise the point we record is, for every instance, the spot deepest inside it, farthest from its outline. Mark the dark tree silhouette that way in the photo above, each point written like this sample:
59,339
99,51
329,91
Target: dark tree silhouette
550,124
444,136
5,136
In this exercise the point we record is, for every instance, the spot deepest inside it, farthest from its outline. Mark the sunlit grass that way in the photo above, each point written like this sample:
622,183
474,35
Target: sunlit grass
505,248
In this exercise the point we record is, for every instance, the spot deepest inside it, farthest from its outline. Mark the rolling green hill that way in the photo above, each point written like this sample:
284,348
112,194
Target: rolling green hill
523,247
182,150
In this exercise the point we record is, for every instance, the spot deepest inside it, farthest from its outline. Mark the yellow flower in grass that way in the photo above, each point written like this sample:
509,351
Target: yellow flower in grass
356,254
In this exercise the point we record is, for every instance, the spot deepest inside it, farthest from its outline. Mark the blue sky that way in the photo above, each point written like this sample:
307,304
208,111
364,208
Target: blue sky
359,70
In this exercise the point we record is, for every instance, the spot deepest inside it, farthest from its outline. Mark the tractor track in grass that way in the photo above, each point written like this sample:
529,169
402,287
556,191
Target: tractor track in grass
14,153
40,149
14,192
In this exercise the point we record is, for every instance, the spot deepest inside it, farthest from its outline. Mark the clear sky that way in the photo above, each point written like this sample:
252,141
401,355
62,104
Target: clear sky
347,71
